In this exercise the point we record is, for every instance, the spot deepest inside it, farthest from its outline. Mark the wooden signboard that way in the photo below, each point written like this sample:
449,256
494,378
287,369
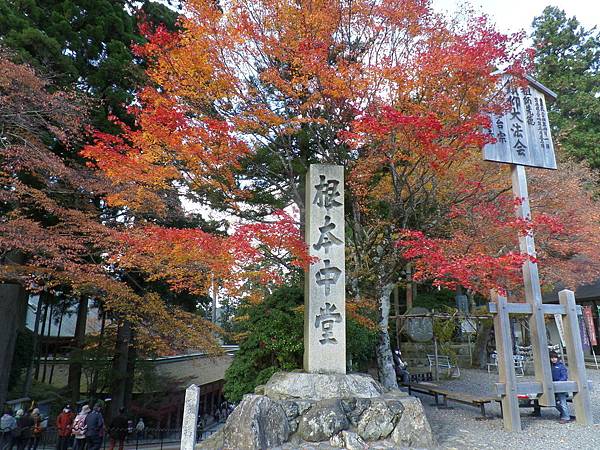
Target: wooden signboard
523,133
522,138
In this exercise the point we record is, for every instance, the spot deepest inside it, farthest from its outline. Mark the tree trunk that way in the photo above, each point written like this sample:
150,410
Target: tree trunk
11,297
385,362
36,329
93,388
131,363
48,340
51,376
13,309
38,349
75,366
119,368
397,314
483,335
409,288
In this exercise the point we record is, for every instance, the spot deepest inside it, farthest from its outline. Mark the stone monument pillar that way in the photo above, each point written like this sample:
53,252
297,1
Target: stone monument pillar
325,301
324,405
190,418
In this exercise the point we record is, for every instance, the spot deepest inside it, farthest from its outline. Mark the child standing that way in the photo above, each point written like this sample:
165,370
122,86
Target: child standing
559,373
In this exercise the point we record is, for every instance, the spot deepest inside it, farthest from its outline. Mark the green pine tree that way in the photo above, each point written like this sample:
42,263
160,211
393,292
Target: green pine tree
568,62
272,340
84,43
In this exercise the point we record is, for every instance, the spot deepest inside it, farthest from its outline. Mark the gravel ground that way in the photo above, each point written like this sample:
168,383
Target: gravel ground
458,428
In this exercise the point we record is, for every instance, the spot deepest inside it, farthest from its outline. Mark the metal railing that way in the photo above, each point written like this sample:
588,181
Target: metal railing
150,438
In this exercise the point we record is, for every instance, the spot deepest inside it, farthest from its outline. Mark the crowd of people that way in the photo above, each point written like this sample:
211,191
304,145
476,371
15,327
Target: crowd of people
23,430
85,430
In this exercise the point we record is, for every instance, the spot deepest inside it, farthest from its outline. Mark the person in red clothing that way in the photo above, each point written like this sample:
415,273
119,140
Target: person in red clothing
64,423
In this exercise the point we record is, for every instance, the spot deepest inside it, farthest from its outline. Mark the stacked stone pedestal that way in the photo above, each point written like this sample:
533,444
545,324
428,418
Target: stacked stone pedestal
302,410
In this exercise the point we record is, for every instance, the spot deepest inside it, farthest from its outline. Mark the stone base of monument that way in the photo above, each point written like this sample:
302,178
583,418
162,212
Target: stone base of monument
302,410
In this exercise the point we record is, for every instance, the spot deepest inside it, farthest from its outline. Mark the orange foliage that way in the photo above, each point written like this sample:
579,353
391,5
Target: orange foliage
49,217
397,93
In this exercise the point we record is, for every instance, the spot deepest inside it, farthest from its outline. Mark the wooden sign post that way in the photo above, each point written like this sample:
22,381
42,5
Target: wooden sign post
581,398
523,139
506,367
533,293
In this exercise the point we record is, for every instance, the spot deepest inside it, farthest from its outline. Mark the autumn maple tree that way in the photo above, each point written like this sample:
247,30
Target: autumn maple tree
55,234
247,94
477,247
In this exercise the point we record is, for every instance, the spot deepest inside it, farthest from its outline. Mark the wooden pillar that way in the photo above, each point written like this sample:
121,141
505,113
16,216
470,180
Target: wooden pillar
581,398
506,366
212,401
436,368
533,293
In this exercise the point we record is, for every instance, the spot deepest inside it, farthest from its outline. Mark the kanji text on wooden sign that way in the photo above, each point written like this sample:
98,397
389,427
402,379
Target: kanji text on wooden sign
523,133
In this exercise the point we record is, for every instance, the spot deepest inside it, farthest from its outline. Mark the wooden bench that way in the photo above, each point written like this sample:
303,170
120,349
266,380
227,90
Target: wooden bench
445,395
429,389
420,376
443,362
475,400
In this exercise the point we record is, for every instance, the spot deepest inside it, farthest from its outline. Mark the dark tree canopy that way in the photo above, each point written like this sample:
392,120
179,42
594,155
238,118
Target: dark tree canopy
568,62
83,42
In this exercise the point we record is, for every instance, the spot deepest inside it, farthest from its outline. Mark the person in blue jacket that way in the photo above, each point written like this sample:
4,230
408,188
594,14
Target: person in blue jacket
559,373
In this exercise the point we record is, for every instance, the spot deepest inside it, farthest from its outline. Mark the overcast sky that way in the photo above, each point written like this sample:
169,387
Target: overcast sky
515,15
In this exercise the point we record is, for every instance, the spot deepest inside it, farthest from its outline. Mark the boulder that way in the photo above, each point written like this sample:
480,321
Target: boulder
412,429
348,404
337,441
317,386
353,441
290,408
303,406
213,442
257,423
377,421
360,406
294,425
325,419
419,329
348,440
387,420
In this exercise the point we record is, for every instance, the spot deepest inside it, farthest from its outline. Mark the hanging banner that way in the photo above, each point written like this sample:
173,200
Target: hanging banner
589,321
559,326
585,343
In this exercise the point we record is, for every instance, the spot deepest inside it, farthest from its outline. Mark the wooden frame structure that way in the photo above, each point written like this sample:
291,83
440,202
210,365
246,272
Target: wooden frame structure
544,387
508,388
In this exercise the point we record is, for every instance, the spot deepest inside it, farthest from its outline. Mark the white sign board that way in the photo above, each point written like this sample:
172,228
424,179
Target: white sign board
325,292
523,133
560,327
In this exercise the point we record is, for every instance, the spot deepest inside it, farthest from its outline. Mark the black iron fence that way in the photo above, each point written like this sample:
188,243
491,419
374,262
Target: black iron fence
149,438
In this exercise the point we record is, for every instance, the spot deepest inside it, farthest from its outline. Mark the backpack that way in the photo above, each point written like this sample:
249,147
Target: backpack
79,426
37,426
5,422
